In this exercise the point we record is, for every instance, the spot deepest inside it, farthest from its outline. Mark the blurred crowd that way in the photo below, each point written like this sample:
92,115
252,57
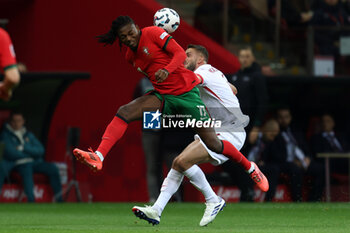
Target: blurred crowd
256,19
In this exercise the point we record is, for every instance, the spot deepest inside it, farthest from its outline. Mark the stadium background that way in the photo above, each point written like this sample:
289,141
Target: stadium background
59,36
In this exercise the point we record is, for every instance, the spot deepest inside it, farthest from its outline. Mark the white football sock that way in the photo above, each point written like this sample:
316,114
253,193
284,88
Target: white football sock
198,179
170,185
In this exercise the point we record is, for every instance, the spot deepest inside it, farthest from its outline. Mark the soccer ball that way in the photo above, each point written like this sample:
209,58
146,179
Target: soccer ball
167,19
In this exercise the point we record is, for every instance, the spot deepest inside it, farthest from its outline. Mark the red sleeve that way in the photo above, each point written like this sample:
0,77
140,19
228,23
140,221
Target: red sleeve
178,54
158,35
7,53
165,41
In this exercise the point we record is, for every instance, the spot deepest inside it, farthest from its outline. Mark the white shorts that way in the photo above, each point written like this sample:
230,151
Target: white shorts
235,138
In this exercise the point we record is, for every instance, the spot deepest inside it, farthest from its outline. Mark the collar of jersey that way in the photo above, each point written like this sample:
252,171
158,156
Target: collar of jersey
203,66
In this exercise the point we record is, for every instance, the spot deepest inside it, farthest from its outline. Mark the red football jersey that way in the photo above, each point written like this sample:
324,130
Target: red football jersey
7,53
151,55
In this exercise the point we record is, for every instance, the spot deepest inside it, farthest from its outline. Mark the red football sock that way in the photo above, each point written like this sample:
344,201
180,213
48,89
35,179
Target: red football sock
112,134
231,152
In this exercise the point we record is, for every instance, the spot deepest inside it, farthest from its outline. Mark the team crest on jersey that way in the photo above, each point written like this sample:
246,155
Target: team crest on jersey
145,50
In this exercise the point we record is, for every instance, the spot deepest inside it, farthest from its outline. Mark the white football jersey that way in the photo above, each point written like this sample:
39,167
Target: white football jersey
219,99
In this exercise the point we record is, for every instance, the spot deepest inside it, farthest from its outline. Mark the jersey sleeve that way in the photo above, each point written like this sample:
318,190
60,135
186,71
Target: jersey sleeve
159,36
162,39
7,53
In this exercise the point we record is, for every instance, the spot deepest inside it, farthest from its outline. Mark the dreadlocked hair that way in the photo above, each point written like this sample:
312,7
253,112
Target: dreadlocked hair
111,36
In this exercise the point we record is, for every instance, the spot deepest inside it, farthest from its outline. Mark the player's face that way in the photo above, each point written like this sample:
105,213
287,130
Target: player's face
129,35
191,59
246,58
284,118
17,122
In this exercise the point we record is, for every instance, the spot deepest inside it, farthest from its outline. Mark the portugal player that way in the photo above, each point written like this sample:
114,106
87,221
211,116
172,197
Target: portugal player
7,65
157,55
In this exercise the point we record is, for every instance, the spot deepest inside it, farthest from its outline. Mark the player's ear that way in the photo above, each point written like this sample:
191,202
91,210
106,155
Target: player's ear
137,27
201,59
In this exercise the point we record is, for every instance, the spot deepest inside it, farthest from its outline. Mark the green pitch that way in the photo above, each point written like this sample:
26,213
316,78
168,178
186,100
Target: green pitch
177,217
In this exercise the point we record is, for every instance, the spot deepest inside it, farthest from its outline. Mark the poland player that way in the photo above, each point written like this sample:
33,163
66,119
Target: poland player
223,105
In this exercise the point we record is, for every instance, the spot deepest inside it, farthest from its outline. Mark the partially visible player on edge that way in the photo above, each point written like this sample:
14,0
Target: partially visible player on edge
218,95
8,66
156,54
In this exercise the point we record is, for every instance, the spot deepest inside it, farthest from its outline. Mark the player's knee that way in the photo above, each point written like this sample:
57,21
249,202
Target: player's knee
179,164
175,164
124,111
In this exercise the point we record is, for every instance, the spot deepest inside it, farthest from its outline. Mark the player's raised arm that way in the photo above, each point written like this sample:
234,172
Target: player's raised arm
178,57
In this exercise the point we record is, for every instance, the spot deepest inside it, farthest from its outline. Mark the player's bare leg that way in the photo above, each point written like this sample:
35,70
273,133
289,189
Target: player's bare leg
194,153
116,128
134,109
185,164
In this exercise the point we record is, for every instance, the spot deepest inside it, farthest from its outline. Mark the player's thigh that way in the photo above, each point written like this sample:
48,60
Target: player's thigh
195,153
210,139
134,109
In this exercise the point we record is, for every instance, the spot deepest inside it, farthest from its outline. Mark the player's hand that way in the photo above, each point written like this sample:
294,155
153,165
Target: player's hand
161,75
5,92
